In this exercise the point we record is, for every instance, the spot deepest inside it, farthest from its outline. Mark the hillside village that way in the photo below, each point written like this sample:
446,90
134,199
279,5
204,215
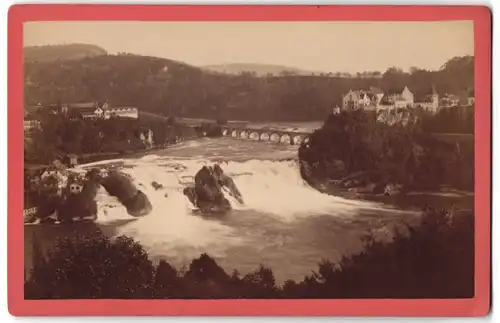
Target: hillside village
93,86
171,88
350,146
73,111
375,99
398,104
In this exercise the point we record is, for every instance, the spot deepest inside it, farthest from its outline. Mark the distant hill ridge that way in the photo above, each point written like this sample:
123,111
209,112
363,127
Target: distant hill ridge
259,69
168,87
49,53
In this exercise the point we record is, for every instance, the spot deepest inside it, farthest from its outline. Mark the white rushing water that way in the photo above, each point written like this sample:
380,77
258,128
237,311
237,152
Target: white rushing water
271,189
284,223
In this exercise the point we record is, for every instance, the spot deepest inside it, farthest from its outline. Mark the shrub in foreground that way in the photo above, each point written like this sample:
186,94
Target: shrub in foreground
93,267
434,259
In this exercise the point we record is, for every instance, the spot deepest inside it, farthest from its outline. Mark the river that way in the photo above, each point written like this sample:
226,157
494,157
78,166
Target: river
284,224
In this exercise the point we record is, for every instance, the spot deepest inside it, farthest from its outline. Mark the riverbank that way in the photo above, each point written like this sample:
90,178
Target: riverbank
103,156
443,198
435,260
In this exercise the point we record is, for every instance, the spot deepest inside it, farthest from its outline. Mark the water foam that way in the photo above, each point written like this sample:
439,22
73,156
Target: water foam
272,188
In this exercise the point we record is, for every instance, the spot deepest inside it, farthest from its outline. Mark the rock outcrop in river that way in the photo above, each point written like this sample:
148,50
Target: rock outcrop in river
79,203
207,194
122,187
75,202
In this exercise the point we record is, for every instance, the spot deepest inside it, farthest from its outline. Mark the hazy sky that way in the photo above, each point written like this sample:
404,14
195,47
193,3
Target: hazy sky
318,46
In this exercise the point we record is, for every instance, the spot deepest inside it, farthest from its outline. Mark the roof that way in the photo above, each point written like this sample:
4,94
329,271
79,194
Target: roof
35,166
433,89
370,95
385,101
82,111
360,93
83,105
30,117
427,98
451,96
376,90
84,108
122,108
396,90
32,109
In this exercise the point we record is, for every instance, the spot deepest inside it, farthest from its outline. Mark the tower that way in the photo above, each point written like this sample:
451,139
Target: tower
434,99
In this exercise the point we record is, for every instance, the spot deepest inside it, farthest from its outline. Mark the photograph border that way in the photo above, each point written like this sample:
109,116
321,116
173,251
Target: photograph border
477,306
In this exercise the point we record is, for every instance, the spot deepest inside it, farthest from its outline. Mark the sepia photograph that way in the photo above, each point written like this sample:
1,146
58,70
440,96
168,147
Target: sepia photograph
249,160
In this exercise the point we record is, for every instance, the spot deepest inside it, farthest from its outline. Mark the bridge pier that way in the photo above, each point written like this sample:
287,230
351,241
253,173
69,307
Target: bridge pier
260,135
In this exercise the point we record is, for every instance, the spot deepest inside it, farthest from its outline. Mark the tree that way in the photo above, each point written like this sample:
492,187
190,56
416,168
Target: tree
88,267
406,155
433,258
131,80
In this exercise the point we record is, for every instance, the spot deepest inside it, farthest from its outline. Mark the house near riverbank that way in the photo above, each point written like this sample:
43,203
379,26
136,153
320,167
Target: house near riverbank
400,97
31,124
463,99
471,100
96,110
362,99
70,160
121,112
84,110
428,101
449,100
31,118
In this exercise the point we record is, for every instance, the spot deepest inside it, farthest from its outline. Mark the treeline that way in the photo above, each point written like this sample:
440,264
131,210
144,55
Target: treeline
61,52
60,136
435,259
449,120
354,143
173,88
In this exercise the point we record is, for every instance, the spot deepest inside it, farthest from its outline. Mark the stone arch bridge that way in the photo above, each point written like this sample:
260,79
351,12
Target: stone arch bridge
272,135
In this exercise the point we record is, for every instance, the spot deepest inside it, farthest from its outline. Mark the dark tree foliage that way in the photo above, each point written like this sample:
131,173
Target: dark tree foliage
434,259
59,136
94,267
450,120
61,52
409,155
168,87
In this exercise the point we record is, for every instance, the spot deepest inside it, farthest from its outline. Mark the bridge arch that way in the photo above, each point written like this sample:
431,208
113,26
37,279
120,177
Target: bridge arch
275,137
298,139
265,136
254,135
286,138
244,134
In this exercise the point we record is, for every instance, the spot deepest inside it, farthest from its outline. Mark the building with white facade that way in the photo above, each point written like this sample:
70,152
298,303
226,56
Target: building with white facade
430,101
397,98
94,110
121,112
360,99
31,125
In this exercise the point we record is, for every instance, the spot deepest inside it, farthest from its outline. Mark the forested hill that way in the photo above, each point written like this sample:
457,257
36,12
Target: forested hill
61,52
257,69
172,88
